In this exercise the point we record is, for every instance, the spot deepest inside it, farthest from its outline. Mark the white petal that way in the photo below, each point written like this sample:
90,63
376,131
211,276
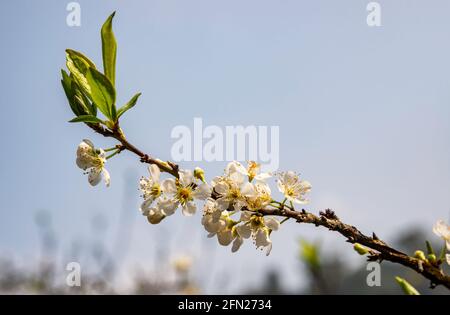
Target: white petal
244,230
237,178
95,176
225,237
441,229
145,206
263,176
221,188
269,249
154,172
189,209
238,241
202,192
249,190
223,203
186,177
262,238
168,206
88,142
447,256
82,163
169,186
272,223
106,177
235,167
246,215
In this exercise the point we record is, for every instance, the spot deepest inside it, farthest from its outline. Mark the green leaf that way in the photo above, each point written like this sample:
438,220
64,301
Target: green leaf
406,286
430,250
67,86
103,93
109,49
128,105
82,100
86,119
443,251
78,65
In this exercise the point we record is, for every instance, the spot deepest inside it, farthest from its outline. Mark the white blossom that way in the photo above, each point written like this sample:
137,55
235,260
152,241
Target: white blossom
257,196
151,187
293,188
442,230
182,191
214,219
92,161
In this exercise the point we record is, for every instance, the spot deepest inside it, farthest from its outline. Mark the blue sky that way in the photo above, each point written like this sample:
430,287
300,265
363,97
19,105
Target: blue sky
364,114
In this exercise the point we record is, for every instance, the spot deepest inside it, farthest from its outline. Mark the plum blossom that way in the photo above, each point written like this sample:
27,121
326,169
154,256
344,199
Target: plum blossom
151,187
92,161
182,191
293,188
442,230
259,228
257,196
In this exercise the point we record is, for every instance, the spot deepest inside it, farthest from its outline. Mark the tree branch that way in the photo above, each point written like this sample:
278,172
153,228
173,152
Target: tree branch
378,249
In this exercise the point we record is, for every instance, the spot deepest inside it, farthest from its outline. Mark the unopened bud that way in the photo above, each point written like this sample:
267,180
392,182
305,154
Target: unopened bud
406,286
200,174
360,249
420,255
432,258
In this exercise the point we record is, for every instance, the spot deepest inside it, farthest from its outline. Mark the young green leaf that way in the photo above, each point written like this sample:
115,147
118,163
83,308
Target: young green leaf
82,100
128,105
78,65
109,49
430,250
103,93
67,86
86,119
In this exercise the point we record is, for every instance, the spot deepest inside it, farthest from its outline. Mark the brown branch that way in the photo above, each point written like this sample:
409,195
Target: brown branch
378,249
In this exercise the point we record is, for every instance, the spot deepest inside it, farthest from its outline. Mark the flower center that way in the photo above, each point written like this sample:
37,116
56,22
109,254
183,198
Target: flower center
184,194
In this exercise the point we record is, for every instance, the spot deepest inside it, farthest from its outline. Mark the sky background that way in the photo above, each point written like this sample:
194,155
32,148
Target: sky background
364,115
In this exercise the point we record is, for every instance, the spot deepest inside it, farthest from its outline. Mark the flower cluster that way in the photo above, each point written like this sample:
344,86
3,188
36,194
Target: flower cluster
242,191
442,230
161,199
232,201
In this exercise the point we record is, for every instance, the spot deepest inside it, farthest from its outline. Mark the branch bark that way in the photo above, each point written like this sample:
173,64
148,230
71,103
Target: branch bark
378,249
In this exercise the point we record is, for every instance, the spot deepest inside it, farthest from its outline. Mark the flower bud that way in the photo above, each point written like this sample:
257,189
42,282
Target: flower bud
432,258
420,255
406,286
199,174
360,249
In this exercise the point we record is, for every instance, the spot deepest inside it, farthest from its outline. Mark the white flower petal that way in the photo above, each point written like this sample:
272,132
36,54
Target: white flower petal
154,172
442,230
186,177
238,241
95,176
221,188
262,177
189,209
169,186
262,238
168,206
225,237
106,177
244,230
272,223
202,191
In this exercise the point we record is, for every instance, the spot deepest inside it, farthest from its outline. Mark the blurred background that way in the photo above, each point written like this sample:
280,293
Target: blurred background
363,114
